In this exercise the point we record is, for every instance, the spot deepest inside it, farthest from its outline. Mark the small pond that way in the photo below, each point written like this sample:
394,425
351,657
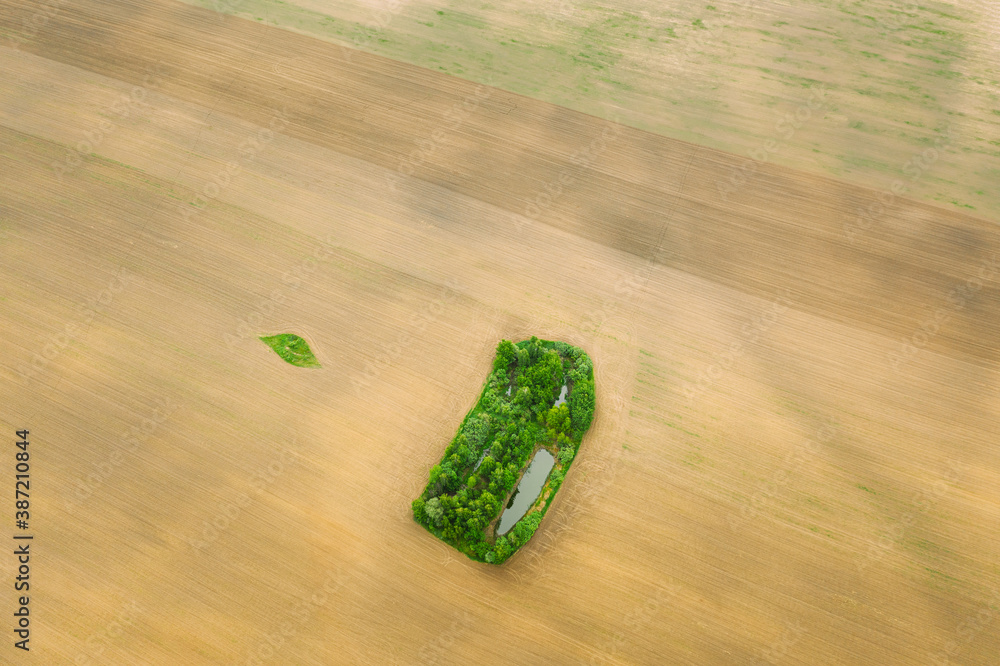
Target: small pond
527,490
562,397
481,457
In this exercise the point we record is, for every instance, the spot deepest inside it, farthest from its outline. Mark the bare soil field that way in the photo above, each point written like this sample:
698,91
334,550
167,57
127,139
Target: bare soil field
793,458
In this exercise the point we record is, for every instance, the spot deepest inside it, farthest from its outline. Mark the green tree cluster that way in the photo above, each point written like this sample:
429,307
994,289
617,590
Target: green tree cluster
466,490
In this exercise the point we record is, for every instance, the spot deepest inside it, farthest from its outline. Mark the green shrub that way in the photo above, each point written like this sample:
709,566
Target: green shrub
434,511
581,404
506,354
418,510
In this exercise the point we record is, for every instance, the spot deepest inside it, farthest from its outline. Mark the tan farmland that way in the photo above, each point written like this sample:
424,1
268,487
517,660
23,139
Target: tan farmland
770,478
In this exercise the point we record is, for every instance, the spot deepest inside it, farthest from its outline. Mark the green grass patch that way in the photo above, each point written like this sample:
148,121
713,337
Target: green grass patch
292,348
599,60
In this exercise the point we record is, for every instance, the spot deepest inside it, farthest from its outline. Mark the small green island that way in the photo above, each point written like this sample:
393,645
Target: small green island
503,468
292,348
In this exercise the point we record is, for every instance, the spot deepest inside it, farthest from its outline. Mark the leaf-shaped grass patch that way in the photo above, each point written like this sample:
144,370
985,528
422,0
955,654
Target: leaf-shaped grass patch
292,348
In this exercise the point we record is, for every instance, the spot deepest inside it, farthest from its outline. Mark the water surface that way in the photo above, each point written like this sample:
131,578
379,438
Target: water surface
527,490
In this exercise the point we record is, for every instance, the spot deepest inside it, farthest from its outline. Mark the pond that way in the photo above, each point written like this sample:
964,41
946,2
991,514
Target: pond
481,457
527,490
562,397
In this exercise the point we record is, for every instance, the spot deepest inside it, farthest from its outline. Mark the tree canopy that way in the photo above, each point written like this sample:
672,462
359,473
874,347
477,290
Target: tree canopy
468,489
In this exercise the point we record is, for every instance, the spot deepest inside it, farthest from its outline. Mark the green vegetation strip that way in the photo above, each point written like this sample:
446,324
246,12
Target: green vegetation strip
292,348
462,502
